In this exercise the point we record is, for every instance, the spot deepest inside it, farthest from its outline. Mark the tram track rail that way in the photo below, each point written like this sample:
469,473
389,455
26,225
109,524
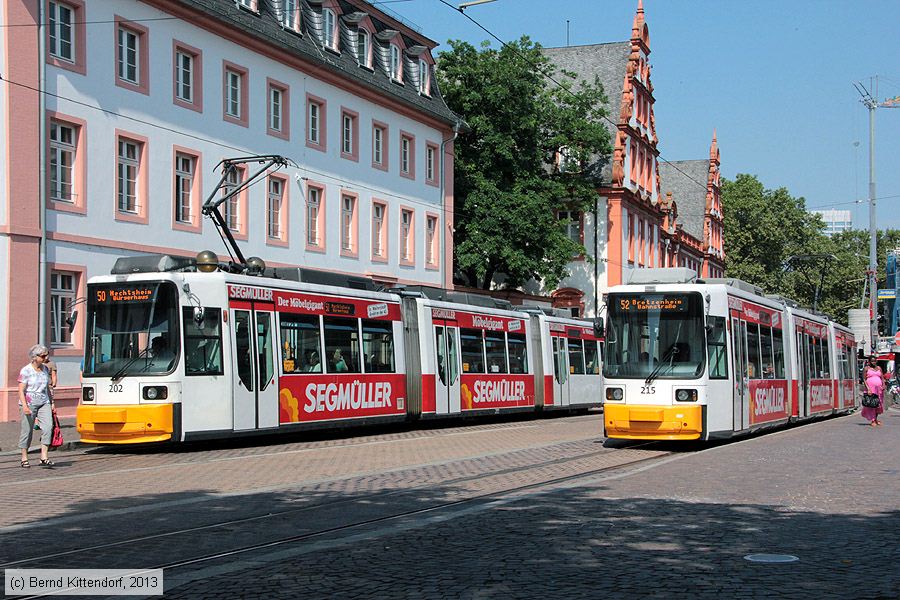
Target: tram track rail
473,500
470,479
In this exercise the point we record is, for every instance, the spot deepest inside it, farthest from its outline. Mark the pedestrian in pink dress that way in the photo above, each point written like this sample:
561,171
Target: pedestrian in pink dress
874,378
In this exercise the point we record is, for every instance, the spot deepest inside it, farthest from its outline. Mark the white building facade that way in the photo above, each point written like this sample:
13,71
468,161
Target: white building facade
109,149
836,221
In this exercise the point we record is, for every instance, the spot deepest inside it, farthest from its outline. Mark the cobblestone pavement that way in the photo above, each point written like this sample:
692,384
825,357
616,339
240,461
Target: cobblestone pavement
827,492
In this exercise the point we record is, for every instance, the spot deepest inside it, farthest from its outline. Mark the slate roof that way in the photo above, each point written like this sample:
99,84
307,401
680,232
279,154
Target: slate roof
681,177
265,25
608,62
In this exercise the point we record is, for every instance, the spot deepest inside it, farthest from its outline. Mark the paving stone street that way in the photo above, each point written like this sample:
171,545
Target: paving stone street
431,514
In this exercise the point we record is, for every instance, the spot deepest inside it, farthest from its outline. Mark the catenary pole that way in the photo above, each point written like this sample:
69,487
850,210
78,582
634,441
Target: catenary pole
873,230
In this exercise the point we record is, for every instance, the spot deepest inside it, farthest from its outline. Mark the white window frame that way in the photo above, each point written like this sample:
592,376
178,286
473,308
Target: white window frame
348,206
61,17
406,218
396,63
378,145
233,100
429,163
184,187
184,76
290,17
347,133
430,231
62,297
129,55
404,154
313,206
424,77
128,166
377,229
232,205
276,107
313,122
362,47
328,25
62,162
574,224
274,207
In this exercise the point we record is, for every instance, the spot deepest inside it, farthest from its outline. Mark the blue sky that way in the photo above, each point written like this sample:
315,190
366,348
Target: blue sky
774,78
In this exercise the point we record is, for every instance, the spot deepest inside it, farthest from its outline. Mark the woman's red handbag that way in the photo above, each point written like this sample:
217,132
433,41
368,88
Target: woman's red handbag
57,440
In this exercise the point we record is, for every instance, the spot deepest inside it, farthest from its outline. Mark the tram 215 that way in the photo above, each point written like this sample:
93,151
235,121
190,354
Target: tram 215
691,359
173,354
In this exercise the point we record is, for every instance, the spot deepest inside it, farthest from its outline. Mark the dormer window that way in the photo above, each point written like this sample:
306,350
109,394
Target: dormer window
396,64
290,15
248,4
328,21
362,47
424,78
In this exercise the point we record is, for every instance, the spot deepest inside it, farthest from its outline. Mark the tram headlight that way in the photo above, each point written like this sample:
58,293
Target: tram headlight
686,395
156,392
87,394
615,394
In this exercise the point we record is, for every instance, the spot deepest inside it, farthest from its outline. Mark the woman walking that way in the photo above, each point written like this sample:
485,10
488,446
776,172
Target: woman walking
874,379
35,403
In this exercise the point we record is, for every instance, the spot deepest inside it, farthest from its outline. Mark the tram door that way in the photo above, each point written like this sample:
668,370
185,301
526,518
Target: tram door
447,393
741,377
560,372
255,400
803,387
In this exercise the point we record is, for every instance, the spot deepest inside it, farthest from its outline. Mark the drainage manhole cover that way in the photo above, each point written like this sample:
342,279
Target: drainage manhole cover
771,558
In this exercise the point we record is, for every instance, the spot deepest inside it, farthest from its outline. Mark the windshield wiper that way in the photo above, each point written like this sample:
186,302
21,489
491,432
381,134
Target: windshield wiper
668,355
121,372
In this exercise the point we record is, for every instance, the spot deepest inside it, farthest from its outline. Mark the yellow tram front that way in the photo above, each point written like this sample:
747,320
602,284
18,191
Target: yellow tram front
130,388
654,370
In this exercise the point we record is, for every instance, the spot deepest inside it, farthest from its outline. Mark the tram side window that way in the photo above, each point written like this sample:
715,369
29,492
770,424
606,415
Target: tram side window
518,353
203,343
843,363
342,345
300,344
576,356
778,347
718,351
592,357
472,350
495,348
766,356
824,359
753,367
812,351
378,346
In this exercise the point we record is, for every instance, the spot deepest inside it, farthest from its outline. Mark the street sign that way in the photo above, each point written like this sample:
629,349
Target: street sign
887,294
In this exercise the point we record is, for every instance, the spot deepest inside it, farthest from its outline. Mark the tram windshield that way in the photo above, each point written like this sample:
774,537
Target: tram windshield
651,336
132,329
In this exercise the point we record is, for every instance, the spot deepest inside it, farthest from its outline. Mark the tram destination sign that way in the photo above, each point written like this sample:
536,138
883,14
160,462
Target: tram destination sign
668,304
122,295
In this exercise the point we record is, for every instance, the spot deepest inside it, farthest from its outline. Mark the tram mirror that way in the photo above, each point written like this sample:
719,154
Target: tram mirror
710,324
198,316
71,319
598,326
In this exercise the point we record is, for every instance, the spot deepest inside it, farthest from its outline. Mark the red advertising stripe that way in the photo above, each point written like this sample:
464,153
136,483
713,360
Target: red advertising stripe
820,395
480,321
768,400
307,398
496,391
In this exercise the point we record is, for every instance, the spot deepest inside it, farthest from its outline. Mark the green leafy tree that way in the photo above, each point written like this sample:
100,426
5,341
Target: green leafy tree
763,229
506,187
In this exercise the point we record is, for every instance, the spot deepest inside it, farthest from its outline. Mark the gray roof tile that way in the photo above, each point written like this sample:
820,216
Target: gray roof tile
686,179
265,26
